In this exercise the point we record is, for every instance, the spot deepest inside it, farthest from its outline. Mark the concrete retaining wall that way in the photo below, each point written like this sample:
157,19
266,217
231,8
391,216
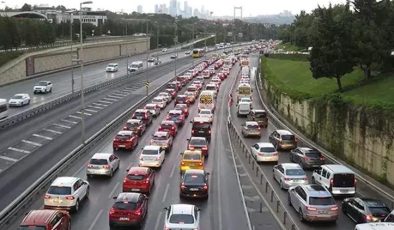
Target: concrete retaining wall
361,136
33,64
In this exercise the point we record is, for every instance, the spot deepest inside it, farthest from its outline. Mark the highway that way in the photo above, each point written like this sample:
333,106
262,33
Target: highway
363,190
223,209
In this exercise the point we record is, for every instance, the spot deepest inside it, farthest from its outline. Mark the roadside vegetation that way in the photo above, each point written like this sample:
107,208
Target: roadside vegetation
7,56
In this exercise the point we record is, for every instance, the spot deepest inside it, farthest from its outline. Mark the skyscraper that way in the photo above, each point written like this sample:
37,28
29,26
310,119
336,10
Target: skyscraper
173,7
139,9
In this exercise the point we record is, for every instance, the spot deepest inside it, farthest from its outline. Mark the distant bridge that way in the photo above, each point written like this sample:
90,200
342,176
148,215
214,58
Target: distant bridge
24,14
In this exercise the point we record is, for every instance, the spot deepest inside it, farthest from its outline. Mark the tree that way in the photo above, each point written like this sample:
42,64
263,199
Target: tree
26,7
332,55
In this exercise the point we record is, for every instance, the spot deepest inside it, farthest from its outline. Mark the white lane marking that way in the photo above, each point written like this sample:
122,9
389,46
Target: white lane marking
127,90
173,171
43,137
8,158
158,221
96,219
100,104
95,107
32,143
76,117
111,194
53,131
120,93
71,122
19,150
114,97
85,113
165,193
62,126
109,99
105,102
218,188
91,110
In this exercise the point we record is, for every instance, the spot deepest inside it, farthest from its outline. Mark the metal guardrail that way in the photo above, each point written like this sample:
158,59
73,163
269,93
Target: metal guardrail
16,208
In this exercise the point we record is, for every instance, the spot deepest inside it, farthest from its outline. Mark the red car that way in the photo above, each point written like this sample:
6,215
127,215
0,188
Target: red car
176,116
172,92
46,220
129,209
139,179
144,115
184,108
182,79
221,75
169,126
200,143
135,125
182,99
173,85
127,140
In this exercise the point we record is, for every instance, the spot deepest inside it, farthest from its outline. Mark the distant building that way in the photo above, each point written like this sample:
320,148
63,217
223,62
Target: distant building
139,9
173,7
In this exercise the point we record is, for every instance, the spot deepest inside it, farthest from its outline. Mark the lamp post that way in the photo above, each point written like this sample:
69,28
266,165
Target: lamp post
81,58
71,47
176,41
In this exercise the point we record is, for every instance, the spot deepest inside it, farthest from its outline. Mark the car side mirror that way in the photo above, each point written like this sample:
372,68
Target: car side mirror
191,122
114,197
165,208
207,173
180,153
188,139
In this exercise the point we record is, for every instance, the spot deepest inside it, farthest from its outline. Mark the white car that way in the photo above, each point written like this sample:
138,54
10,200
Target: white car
264,152
112,67
42,87
160,101
289,174
66,193
182,216
164,50
166,96
19,99
103,164
206,113
152,156
153,109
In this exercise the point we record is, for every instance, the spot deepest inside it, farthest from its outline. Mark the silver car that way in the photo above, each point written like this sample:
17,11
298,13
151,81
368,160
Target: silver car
313,203
251,128
289,174
182,216
103,164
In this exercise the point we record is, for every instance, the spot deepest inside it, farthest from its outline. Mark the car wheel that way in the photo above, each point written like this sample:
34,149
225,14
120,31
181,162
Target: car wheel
50,90
111,173
289,200
76,206
281,185
313,180
87,193
301,215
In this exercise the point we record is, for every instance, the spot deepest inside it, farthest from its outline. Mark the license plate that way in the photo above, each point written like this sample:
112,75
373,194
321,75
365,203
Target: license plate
344,190
323,212
122,146
200,131
123,218
135,189
194,189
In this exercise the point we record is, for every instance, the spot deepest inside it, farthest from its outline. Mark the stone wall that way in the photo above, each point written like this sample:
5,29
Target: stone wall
361,136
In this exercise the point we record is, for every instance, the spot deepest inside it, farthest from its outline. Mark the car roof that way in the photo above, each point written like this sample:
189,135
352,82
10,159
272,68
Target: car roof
337,168
142,110
375,226
283,132
259,111
370,202
198,138
182,209
201,119
125,132
195,151
101,155
167,122
159,97
182,105
291,166
175,111
64,181
305,149
113,63
128,196
160,134
206,110
251,123
194,171
152,147
315,190
21,94
133,121
39,217
265,144
138,170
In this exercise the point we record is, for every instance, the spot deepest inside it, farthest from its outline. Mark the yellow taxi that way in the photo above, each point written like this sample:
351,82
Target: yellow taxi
192,159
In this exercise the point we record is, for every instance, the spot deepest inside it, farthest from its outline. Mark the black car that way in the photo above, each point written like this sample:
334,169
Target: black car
307,157
194,184
364,210
201,127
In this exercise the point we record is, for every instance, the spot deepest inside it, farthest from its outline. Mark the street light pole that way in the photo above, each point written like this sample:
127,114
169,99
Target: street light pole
176,41
71,54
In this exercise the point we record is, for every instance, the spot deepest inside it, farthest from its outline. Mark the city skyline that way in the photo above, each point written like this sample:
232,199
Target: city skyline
219,8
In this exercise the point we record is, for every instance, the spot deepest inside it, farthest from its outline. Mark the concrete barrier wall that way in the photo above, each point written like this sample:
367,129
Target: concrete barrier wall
361,136
33,64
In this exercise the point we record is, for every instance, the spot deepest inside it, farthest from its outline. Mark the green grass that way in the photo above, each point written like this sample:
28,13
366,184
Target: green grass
289,47
8,56
295,79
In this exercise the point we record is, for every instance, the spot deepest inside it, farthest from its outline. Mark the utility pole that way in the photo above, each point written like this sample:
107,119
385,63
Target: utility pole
176,41
71,54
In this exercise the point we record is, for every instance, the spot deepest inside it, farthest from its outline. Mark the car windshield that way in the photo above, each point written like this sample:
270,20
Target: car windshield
205,112
343,180
198,141
194,179
180,106
313,153
132,124
125,205
321,201
210,88
157,100
259,115
288,137
191,89
111,65
181,218
295,172
31,227
267,149
139,114
122,137
42,83
379,211
160,138
135,65
166,126
59,190
150,107
98,161
135,177
254,126
17,97
150,152
195,157
199,125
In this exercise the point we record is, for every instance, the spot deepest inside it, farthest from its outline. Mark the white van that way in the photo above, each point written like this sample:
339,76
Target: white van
243,108
3,108
338,179
135,66
375,226
207,100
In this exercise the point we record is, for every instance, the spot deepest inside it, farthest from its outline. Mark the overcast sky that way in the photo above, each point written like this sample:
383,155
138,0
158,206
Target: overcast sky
218,7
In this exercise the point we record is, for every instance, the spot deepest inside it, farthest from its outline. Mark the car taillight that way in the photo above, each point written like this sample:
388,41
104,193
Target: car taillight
286,178
368,218
183,186
205,187
106,166
138,212
200,164
190,147
173,128
307,158
209,131
124,128
204,148
70,197
334,208
111,211
310,208
331,182
355,181
90,166
275,153
192,131
47,196
182,163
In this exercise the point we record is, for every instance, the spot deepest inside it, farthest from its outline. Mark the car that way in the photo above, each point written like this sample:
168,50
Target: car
135,125
289,174
144,115
19,99
197,84
66,193
338,179
162,139
188,52
307,157
174,56
172,92
159,101
193,88
283,139
182,216
191,159
43,87
182,79
216,80
129,209
153,109
164,50
166,96
139,179
201,127
365,210
182,99
173,85
176,116
135,66
264,152
246,99
259,116
103,164
221,75
243,108
151,156
200,143
191,97
194,184
206,74
207,113
151,59
112,67
375,226
200,78
169,126
251,128
46,219
389,217
313,203
212,87
125,139
184,108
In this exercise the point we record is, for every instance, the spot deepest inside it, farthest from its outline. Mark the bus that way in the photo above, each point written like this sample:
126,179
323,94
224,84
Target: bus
207,100
3,108
197,53
244,90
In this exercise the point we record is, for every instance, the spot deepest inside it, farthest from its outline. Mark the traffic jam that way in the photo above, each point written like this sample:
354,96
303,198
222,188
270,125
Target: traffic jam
67,194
